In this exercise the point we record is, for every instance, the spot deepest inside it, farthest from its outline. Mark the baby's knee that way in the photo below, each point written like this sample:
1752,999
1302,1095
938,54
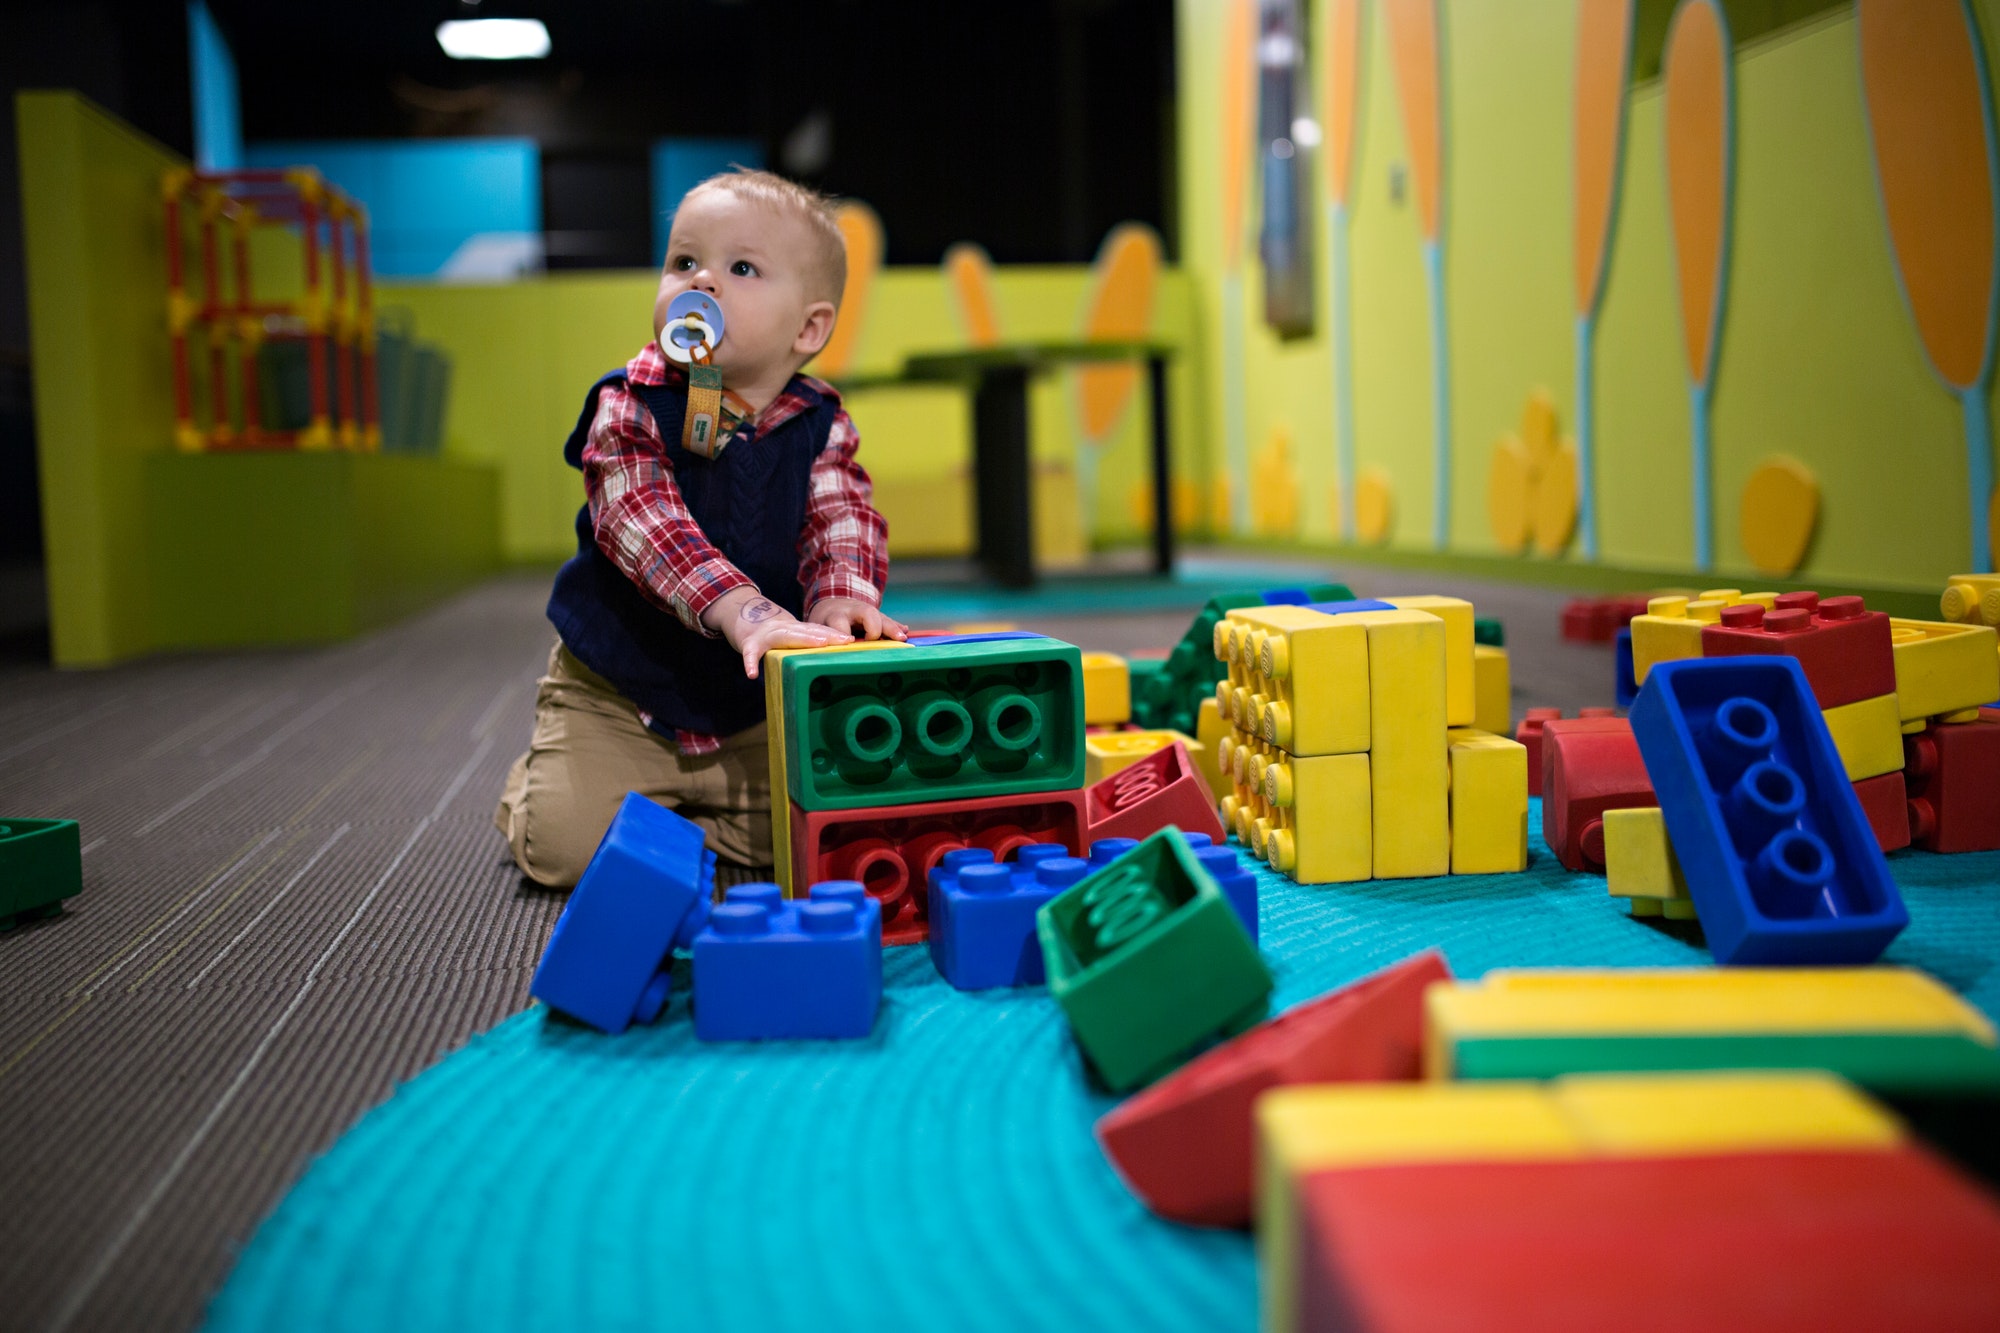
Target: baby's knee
552,840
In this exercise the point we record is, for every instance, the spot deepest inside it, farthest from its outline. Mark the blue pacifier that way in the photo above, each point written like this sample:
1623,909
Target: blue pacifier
694,325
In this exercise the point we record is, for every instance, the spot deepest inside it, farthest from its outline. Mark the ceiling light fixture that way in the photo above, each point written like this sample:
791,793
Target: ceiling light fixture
494,39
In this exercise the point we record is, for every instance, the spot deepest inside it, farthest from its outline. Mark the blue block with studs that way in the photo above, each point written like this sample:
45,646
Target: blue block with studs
1237,883
644,894
768,968
983,915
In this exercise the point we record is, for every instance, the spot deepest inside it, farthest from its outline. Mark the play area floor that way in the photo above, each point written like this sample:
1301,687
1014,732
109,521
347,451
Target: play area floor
294,902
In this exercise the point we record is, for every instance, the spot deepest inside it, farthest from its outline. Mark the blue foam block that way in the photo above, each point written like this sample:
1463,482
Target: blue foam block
644,894
982,926
766,968
1780,862
988,636
1621,659
1354,604
1237,881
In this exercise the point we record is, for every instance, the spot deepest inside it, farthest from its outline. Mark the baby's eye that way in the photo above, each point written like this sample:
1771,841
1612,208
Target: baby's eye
743,268
682,263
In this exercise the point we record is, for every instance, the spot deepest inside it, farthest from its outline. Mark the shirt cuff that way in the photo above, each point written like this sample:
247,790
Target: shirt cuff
706,584
843,583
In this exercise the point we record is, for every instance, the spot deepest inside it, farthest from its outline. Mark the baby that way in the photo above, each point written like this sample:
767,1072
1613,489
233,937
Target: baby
697,552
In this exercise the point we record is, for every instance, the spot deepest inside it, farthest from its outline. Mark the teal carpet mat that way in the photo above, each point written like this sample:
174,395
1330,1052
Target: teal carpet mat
940,1175
1195,580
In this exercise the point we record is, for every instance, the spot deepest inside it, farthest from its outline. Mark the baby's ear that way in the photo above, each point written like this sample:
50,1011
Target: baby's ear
816,330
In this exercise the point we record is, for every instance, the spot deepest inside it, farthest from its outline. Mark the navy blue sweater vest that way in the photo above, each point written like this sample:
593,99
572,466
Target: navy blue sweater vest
750,500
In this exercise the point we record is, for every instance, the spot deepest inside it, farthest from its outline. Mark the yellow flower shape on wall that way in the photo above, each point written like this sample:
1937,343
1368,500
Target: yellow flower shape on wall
1531,484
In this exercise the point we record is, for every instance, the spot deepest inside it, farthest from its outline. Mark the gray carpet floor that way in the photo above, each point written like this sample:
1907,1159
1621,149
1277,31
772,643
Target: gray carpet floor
294,899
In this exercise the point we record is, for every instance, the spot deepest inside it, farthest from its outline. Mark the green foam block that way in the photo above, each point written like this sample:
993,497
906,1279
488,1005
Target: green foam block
1913,1062
41,863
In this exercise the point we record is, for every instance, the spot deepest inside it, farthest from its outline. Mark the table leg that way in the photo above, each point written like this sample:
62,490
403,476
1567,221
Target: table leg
1000,446
1163,471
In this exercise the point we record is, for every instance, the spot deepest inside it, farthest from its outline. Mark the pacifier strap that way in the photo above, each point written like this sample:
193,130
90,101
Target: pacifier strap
701,428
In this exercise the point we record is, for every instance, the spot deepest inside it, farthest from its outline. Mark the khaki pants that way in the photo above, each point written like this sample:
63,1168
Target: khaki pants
589,749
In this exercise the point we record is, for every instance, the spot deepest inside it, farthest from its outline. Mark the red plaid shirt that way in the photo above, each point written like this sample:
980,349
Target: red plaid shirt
644,527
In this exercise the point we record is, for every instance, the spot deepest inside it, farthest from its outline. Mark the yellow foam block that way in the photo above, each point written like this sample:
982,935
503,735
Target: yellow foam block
1307,677
775,717
1639,861
1671,629
1489,802
1109,752
1973,599
1408,772
1869,736
1461,690
1493,690
1306,1129
1588,1002
1209,729
1943,668
1320,822
1107,690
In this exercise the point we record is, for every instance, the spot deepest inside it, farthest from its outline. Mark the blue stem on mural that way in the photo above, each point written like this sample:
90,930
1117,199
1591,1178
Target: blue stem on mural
1440,400
1704,542
1979,470
1343,366
1232,403
1586,433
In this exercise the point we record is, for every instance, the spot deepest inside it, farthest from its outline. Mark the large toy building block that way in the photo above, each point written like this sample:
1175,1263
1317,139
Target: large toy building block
1670,630
1624,683
767,968
1640,866
1308,669
1460,691
1107,690
1489,803
1161,789
1407,766
1313,818
1972,599
1171,694
1238,884
1885,804
1598,619
1210,729
947,638
1943,669
775,718
1890,1029
1489,631
1797,1202
1493,688
1954,785
977,719
645,893
1844,648
1868,736
1589,765
983,916
1148,960
1529,734
1370,1031
41,863
1781,863
1108,752
893,849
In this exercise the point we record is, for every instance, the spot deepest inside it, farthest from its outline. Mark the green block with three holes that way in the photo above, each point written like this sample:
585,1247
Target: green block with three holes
1149,962
954,722
41,863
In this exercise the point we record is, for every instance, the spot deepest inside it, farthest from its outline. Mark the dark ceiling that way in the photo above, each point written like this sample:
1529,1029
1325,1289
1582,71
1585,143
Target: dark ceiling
1031,127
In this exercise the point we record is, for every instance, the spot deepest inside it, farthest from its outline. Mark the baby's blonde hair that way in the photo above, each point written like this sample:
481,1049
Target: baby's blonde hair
826,266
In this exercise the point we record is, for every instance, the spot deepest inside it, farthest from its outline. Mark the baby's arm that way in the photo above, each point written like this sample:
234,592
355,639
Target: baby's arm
642,524
844,549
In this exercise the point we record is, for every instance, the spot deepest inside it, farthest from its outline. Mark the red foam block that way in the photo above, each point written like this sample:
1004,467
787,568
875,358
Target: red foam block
1141,799
1953,772
1885,804
1816,1241
1184,1145
1843,647
1589,765
1529,734
892,849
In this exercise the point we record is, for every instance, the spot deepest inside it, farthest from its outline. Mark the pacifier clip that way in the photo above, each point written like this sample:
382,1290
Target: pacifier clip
690,335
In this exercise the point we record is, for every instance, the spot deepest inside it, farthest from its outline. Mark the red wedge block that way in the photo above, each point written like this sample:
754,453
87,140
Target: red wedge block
1163,788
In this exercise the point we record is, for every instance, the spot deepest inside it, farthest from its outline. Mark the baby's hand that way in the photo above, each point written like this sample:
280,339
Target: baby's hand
754,624
857,618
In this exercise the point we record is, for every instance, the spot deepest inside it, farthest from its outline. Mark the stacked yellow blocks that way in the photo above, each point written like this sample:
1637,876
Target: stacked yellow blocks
1349,752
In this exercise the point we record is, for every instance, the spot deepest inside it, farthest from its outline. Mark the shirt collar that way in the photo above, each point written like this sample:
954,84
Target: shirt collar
800,392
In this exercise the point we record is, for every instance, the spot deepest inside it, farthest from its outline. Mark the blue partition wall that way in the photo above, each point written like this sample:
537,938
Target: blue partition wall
681,164
451,208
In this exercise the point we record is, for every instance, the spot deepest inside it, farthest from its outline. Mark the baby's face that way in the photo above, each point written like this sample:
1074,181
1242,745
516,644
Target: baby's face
752,259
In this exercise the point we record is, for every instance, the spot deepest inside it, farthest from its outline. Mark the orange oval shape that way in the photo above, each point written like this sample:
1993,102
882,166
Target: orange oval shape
1127,274
1603,59
1233,116
1413,44
1343,93
968,272
1698,167
1930,118
862,231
